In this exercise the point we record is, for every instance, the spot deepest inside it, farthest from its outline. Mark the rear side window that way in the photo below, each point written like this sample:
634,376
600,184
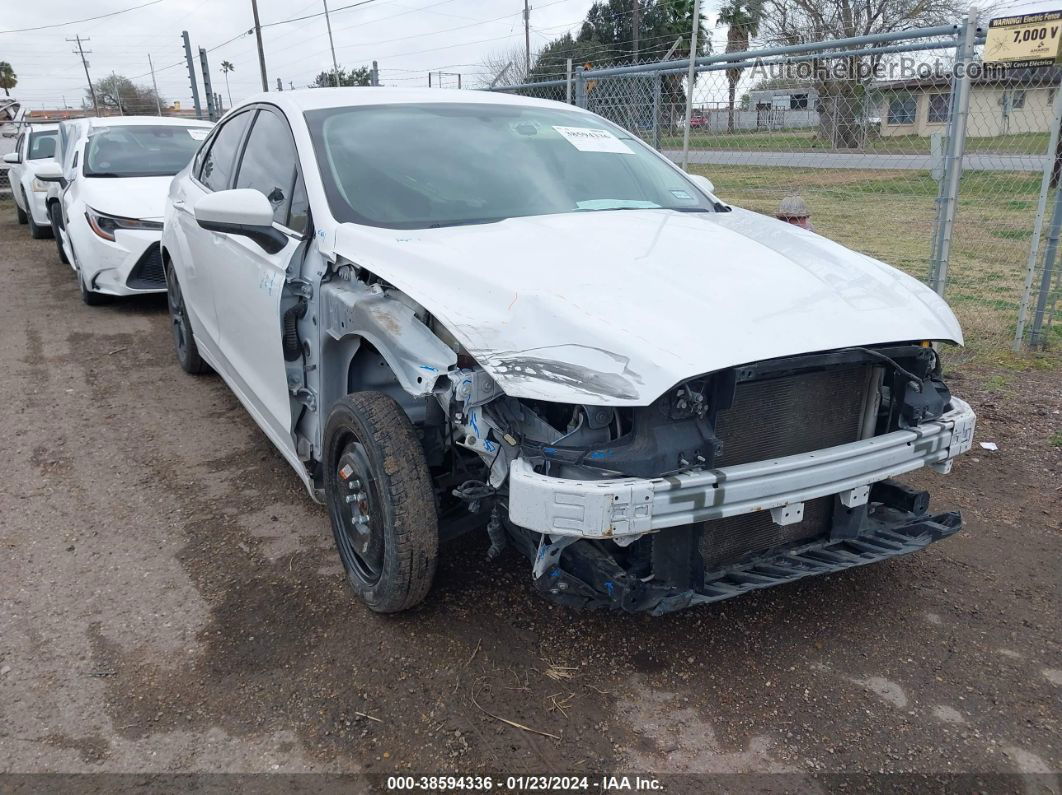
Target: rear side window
268,163
42,145
220,162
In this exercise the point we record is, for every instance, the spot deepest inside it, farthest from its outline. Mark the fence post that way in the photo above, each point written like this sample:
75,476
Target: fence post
691,79
1050,253
1038,224
658,89
580,86
949,194
568,82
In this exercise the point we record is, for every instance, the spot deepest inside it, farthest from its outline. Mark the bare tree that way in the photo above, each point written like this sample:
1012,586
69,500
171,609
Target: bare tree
840,99
494,63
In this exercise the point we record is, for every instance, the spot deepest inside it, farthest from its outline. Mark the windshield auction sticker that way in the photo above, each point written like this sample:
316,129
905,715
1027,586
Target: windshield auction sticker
1025,40
591,139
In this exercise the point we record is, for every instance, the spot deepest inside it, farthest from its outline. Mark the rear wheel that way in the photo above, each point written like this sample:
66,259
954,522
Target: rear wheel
380,501
56,217
183,341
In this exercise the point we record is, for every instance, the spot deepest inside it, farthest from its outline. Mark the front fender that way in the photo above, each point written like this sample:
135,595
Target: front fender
415,355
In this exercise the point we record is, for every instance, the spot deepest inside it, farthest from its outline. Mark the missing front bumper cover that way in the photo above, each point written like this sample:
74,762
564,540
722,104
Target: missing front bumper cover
589,577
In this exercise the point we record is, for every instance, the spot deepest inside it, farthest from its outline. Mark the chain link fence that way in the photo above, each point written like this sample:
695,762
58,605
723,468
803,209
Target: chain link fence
903,146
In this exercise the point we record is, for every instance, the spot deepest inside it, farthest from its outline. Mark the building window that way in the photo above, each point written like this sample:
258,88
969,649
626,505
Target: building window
798,102
902,110
1017,98
939,105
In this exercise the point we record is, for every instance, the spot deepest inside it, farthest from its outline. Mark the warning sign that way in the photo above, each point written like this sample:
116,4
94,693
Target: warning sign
1025,40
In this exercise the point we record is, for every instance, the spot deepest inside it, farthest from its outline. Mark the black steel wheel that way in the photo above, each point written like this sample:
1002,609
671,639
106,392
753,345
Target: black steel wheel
380,501
183,340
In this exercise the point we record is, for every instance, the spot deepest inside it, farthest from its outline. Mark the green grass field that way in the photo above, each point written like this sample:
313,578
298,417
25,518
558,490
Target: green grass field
806,141
889,215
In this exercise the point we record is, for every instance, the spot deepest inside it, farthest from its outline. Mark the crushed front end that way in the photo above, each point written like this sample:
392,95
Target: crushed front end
737,480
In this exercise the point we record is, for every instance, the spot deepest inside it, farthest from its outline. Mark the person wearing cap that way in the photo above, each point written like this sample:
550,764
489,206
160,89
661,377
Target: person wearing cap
794,210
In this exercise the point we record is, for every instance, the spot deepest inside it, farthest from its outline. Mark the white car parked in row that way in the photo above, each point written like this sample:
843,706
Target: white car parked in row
528,322
107,210
35,146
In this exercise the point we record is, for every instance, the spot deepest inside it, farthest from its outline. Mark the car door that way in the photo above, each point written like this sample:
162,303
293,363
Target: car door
213,169
249,281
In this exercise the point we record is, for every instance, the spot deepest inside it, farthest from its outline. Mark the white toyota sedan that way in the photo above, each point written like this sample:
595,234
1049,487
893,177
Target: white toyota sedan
35,147
459,311
107,213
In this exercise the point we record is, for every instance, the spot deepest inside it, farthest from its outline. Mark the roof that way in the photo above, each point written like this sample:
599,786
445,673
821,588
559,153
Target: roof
304,99
139,121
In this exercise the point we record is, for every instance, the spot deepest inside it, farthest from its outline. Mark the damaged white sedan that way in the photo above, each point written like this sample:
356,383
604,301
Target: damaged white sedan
458,311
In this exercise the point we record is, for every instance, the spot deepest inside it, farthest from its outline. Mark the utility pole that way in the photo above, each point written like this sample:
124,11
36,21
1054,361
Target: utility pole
191,74
280,85
261,52
636,24
80,51
375,74
158,102
332,44
527,40
212,111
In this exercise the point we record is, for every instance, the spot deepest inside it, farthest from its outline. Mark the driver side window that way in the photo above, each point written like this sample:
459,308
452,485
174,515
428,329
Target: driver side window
219,164
268,165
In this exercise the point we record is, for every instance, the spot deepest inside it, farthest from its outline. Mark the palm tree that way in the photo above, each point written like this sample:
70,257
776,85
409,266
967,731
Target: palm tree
8,78
743,20
226,67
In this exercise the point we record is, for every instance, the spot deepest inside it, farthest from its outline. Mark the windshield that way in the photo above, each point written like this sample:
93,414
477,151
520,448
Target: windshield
141,150
419,166
42,145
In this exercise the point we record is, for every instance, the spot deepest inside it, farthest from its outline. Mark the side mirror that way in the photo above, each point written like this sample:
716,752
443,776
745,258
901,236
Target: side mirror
702,182
242,211
50,172
12,158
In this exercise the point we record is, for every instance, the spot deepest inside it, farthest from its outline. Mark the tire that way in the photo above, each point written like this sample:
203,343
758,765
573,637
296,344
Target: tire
20,214
56,217
90,297
380,501
183,339
36,232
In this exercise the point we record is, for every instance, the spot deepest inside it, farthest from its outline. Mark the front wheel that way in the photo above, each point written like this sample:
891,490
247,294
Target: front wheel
20,214
89,296
36,231
56,216
380,501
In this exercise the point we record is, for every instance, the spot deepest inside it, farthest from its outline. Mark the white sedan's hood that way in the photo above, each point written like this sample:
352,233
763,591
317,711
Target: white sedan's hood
614,308
128,197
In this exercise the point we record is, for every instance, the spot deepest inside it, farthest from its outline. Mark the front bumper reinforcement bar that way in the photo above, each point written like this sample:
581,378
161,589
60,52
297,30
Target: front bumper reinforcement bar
614,508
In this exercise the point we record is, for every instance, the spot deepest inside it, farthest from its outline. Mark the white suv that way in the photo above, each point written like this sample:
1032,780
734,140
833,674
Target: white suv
111,187
459,310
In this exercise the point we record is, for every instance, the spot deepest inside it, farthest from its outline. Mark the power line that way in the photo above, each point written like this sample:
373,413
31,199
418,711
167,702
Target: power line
86,19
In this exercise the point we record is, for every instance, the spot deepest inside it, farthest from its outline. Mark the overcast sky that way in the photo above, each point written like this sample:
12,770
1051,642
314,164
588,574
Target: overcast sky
407,37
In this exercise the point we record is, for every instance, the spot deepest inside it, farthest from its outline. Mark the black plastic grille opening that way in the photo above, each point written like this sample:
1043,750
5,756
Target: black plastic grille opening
148,274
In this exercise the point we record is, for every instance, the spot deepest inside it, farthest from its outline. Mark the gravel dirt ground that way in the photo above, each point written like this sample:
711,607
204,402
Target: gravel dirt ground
170,601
